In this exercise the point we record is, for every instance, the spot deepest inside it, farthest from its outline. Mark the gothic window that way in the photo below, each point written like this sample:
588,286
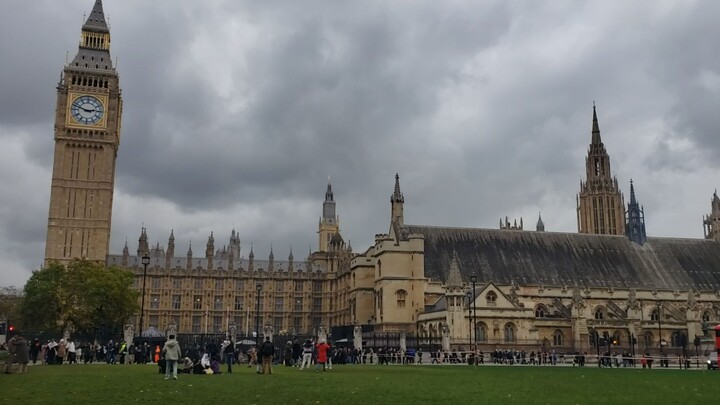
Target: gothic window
238,303
299,286
155,301
156,282
541,311
199,283
648,339
279,304
217,323
510,332
219,284
298,304
481,331
491,298
676,339
197,302
196,323
597,166
600,313
379,268
401,295
558,338
239,285
279,285
218,303
317,304
177,283
176,301
655,315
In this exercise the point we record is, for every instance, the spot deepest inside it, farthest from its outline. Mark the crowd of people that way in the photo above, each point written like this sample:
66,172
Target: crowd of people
303,355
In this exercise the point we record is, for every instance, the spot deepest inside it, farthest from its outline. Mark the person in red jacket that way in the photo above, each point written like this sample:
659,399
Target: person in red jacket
322,354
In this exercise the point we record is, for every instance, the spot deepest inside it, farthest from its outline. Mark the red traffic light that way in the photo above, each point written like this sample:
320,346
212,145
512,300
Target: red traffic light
11,328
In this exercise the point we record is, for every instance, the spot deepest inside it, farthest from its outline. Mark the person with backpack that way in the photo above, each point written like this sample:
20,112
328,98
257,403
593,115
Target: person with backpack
267,351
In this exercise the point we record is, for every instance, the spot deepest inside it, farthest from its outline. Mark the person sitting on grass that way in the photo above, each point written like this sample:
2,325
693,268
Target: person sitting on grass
215,364
187,366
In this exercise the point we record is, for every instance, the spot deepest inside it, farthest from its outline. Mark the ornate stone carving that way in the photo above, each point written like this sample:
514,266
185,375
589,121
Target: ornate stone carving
692,302
577,299
632,301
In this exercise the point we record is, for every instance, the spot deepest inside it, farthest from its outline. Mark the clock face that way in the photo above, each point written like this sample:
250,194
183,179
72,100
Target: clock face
87,110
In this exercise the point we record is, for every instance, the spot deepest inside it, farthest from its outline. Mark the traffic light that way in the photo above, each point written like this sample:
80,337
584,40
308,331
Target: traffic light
11,328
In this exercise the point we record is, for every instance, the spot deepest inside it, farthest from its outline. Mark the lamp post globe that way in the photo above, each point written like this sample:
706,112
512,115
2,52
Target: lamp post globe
145,261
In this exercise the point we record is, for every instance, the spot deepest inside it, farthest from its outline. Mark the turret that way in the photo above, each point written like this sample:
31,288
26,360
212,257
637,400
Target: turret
329,222
251,261
711,223
540,227
143,247
188,262
210,251
397,201
635,219
170,254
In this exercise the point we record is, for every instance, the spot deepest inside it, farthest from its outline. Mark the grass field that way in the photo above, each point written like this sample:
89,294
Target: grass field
362,385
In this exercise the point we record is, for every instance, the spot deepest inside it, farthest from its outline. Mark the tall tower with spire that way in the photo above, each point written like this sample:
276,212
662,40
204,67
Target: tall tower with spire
635,219
87,136
600,206
329,223
711,223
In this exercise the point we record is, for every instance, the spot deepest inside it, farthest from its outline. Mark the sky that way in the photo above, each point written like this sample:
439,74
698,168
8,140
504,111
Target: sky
237,112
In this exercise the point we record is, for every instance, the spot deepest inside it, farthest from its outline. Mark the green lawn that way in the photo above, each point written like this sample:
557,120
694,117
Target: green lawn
346,385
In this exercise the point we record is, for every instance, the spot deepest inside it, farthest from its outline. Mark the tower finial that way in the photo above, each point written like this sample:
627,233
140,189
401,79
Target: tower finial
397,194
595,128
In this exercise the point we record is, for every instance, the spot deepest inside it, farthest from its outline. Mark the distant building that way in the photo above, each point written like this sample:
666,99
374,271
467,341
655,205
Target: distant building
534,290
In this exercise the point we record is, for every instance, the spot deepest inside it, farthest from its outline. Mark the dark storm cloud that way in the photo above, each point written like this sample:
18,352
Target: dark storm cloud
237,111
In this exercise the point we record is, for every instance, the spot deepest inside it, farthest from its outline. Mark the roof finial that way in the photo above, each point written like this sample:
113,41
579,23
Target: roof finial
397,194
595,128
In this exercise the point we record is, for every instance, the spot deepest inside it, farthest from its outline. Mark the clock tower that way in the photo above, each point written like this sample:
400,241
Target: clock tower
87,137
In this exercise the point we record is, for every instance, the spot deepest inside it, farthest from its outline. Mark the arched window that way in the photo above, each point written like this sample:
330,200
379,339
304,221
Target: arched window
600,313
481,331
541,311
510,332
379,268
706,316
677,337
648,339
400,295
655,315
558,338
491,297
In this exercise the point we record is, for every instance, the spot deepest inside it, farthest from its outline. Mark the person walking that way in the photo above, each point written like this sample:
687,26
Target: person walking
11,355
267,350
322,354
22,353
61,352
71,352
172,353
228,348
307,350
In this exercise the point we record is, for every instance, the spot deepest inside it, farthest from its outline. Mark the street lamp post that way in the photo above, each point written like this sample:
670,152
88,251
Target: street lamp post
659,316
473,280
145,262
258,288
469,297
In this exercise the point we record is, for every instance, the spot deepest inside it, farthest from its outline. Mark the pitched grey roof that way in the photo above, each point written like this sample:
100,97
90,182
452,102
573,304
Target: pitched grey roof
96,20
93,59
552,258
